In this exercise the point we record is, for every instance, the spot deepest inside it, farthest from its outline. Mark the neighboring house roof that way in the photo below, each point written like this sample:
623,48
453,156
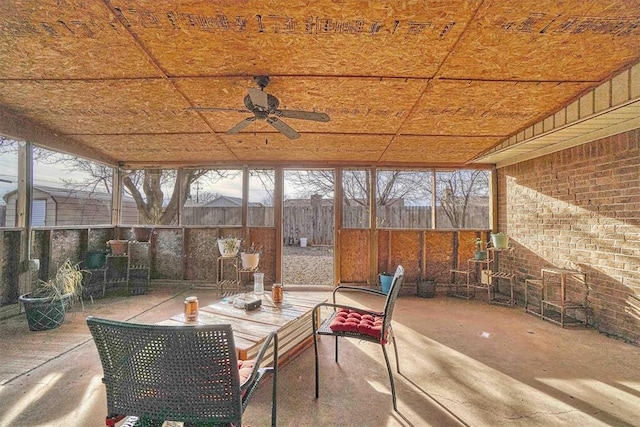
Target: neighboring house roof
226,202
223,201
60,193
307,202
329,202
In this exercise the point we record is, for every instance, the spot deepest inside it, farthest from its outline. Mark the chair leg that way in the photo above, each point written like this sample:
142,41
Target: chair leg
393,387
274,395
315,350
395,349
336,349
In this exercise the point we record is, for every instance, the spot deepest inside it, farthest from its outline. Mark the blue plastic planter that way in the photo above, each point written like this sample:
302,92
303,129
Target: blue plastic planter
385,282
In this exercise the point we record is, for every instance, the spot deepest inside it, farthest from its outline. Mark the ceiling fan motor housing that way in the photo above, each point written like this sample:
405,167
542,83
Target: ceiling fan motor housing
272,103
262,81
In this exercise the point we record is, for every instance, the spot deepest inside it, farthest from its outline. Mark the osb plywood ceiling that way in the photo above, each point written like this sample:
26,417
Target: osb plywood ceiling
426,83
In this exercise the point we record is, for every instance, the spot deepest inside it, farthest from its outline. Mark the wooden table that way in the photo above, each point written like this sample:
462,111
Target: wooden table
291,319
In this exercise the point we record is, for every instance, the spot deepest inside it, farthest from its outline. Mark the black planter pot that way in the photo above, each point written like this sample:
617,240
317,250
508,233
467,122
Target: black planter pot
426,288
43,313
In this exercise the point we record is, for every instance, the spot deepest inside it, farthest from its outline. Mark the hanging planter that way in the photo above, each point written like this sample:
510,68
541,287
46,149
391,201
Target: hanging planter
500,240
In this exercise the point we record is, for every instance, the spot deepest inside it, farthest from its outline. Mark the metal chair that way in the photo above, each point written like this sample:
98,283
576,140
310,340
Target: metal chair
179,373
374,326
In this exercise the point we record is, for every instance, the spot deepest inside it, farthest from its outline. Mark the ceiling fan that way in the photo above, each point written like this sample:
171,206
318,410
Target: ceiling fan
264,106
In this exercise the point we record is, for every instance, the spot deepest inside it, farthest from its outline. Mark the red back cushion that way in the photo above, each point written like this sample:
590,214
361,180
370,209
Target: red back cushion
245,367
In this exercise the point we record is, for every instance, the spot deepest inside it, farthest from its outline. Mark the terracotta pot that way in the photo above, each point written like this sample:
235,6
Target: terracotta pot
118,247
142,234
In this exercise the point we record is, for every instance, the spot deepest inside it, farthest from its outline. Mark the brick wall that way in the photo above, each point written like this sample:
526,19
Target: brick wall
580,208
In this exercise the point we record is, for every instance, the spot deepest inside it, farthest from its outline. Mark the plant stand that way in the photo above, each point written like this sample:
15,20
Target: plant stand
470,286
244,271
129,273
496,276
224,262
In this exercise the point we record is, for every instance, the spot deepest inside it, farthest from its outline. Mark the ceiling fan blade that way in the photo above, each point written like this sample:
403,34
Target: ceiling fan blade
259,98
283,128
216,109
304,115
243,124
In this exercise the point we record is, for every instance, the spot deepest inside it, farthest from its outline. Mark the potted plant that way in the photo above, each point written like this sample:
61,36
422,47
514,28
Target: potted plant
229,246
427,288
479,254
500,240
118,247
250,257
385,281
46,305
142,233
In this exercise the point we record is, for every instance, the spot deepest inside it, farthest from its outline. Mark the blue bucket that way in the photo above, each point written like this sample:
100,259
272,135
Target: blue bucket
385,282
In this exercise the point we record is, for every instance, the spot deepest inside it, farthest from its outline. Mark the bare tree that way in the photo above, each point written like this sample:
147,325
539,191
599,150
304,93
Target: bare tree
154,191
206,196
266,178
458,190
392,185
309,182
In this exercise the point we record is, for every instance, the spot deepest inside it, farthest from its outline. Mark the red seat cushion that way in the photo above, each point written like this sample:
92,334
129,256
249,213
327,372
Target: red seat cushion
244,369
353,321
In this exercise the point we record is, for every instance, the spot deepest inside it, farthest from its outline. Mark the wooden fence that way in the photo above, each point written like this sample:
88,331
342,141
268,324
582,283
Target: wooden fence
316,223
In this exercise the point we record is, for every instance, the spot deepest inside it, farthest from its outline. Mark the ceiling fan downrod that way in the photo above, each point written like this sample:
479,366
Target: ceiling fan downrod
262,81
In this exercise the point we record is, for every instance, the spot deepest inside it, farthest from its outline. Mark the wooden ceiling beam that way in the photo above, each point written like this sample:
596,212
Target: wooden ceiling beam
21,128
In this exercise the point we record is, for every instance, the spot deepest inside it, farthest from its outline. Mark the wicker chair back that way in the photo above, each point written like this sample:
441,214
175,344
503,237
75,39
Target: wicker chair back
179,373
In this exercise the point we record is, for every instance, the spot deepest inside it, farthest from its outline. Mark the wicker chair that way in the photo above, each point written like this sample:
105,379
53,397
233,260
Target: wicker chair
360,323
178,373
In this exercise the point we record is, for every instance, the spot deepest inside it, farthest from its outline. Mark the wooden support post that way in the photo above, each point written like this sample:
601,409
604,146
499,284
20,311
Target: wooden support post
337,203
278,201
25,196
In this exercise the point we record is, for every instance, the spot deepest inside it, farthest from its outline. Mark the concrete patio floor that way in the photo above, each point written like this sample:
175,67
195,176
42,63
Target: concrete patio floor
462,362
